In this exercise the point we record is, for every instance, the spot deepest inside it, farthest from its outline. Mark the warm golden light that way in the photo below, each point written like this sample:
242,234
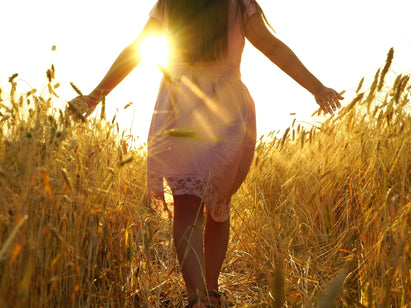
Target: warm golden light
154,49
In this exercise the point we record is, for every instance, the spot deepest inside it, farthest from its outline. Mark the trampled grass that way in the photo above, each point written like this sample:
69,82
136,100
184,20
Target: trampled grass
323,219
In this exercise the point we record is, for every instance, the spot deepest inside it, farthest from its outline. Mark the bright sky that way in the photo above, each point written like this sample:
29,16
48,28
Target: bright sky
339,41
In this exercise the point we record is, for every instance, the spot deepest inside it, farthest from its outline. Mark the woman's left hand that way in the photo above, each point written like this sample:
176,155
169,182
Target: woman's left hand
328,99
82,106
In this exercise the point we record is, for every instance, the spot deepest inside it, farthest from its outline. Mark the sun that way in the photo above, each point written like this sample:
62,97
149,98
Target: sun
154,49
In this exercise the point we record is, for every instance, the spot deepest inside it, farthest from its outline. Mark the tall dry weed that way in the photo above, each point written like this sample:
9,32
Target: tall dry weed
76,229
336,200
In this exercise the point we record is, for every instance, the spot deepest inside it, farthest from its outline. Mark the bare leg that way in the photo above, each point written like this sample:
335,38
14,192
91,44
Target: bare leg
188,239
216,242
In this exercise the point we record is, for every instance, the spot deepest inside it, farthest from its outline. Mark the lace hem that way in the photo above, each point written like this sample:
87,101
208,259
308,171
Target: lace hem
184,185
162,189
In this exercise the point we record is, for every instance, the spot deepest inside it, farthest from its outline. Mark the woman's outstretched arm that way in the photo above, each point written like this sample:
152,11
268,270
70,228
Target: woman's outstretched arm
281,55
127,60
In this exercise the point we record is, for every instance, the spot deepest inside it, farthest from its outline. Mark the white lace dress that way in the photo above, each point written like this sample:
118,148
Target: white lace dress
202,135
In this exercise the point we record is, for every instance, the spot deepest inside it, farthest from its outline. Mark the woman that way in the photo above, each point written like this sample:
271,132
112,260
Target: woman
202,135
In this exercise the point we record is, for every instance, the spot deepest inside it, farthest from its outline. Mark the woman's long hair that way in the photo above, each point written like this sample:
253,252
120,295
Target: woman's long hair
199,28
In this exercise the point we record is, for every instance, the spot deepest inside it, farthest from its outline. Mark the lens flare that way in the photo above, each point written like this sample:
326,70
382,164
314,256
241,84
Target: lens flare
155,50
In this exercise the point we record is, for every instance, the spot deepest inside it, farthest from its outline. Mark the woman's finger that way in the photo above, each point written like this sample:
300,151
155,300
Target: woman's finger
325,107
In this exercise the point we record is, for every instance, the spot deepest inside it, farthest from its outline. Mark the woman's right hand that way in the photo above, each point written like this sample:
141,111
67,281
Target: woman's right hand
328,99
82,106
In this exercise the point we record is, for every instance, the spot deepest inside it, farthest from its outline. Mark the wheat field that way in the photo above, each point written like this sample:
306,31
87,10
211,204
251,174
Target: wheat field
322,220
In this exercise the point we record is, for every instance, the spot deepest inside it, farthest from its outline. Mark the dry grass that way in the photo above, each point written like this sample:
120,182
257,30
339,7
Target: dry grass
324,215
334,199
76,229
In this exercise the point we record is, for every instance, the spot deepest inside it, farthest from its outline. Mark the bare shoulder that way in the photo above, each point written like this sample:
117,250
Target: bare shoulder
153,27
257,32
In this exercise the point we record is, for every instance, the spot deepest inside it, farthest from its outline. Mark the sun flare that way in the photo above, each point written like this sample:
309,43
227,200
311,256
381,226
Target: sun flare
155,50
